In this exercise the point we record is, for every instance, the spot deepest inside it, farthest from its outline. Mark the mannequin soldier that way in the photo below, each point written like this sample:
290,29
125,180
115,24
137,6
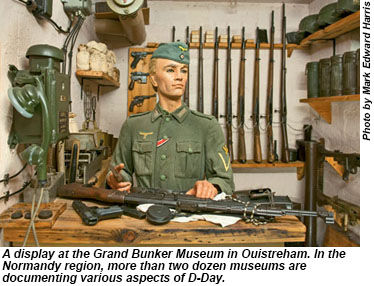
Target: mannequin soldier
172,147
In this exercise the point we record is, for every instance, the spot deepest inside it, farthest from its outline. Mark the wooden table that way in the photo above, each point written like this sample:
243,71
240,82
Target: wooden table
126,231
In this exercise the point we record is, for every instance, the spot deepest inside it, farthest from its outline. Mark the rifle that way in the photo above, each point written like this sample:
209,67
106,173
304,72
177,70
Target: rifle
269,97
241,119
256,103
173,34
138,101
137,57
200,87
215,76
285,153
187,88
229,97
245,207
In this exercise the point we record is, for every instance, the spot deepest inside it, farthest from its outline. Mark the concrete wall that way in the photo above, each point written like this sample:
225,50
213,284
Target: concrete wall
23,30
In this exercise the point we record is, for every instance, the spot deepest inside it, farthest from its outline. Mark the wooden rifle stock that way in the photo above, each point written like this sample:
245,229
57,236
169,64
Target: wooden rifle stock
256,104
229,97
215,77
285,154
200,87
241,97
187,88
269,97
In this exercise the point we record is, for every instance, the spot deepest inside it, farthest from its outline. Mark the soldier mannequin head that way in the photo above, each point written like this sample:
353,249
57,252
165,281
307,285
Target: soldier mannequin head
168,73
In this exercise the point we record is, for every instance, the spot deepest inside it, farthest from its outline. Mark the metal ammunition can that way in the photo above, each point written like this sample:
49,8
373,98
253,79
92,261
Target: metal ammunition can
324,73
349,73
311,72
336,75
358,60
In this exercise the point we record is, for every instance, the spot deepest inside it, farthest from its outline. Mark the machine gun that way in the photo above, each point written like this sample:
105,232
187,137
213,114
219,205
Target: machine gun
246,206
138,76
92,215
137,57
138,101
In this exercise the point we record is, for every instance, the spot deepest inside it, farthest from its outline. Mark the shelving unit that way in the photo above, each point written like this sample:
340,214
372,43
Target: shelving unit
341,27
323,104
250,164
99,78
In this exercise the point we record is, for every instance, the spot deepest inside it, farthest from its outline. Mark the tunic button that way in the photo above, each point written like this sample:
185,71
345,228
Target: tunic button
165,137
163,177
167,119
189,150
163,157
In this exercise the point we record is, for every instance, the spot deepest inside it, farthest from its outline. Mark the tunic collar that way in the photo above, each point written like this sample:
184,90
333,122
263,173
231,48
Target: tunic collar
180,114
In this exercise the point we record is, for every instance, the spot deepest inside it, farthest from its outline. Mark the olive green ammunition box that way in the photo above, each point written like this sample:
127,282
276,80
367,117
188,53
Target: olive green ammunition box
311,71
336,75
349,73
324,73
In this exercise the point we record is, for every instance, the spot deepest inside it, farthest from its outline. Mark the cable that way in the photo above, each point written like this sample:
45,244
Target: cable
75,36
7,178
24,2
33,216
25,184
57,27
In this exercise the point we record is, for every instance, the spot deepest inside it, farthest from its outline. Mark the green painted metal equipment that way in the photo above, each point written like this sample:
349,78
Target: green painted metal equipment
311,71
77,7
309,24
349,73
348,6
329,14
324,74
40,97
336,75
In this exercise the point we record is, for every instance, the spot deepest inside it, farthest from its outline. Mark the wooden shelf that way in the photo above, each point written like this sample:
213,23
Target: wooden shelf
343,26
250,164
99,78
323,104
249,45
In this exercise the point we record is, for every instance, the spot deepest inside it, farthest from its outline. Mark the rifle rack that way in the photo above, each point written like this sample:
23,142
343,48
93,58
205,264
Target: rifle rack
249,45
323,104
250,164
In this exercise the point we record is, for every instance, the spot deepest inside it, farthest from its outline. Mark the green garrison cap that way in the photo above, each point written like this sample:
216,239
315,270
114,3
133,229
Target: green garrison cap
175,51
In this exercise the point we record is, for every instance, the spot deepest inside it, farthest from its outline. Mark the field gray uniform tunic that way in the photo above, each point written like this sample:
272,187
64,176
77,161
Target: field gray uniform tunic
174,150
